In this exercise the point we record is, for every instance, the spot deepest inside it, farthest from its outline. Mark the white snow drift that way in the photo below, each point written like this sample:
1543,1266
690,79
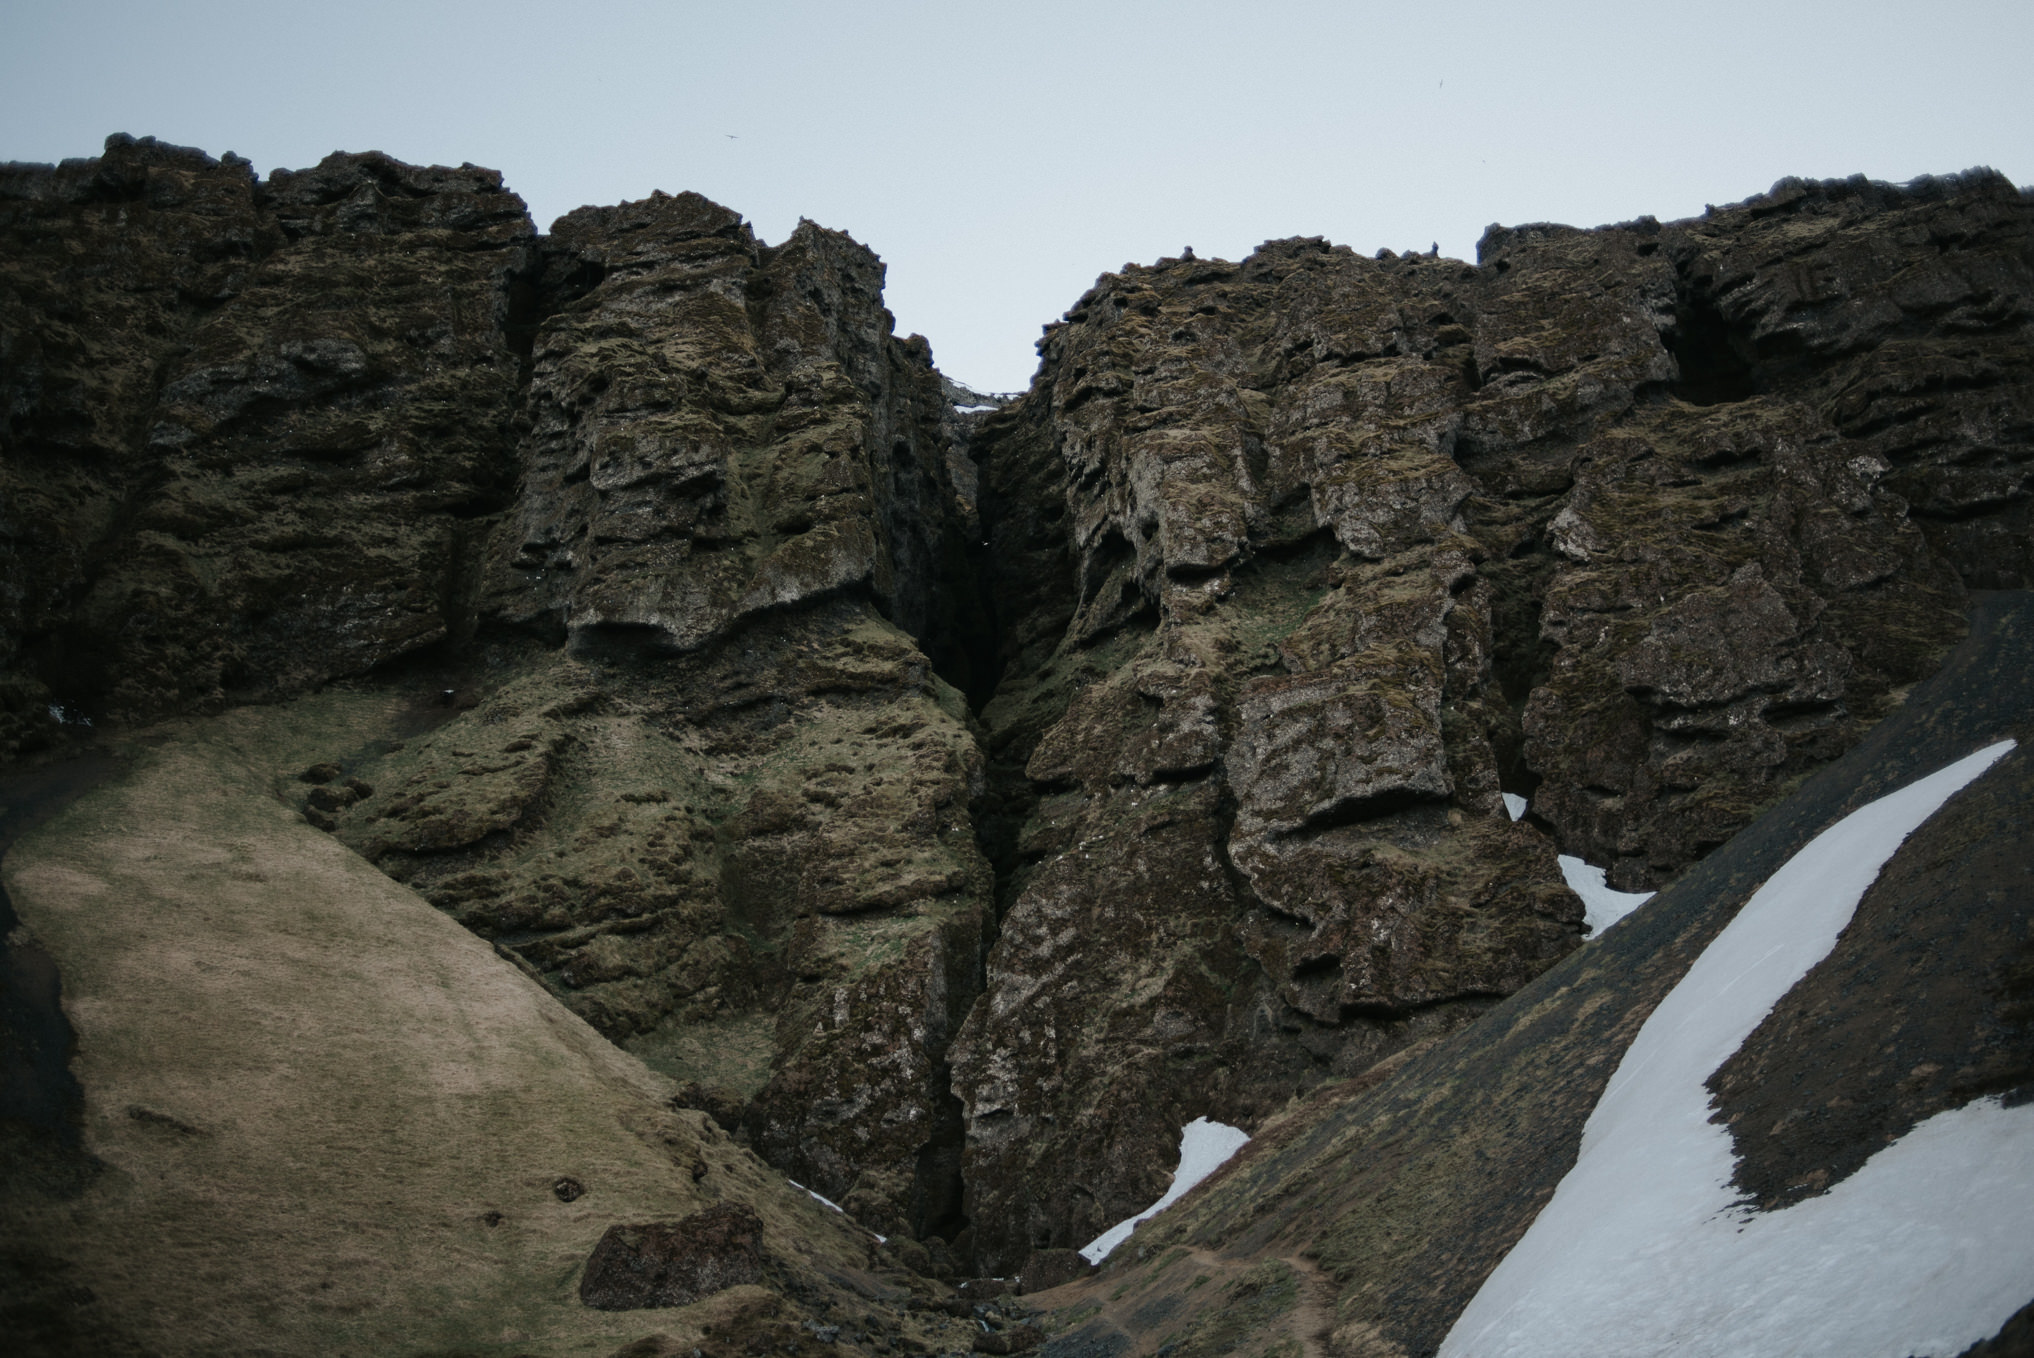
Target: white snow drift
1203,1146
1641,1251
1601,905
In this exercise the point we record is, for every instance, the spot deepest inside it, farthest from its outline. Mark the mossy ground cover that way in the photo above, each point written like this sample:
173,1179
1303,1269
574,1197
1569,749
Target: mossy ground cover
330,1119
731,1053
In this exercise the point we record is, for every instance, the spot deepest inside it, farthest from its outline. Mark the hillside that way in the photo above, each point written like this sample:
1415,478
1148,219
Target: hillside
616,658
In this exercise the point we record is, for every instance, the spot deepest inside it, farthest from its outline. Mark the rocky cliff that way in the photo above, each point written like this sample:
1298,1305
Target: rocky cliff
955,803
1367,1217
1641,524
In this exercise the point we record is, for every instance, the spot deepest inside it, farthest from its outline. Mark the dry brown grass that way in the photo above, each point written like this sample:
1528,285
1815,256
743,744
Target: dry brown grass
314,1093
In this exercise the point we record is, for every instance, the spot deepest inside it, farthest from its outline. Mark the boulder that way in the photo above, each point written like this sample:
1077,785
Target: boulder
673,1263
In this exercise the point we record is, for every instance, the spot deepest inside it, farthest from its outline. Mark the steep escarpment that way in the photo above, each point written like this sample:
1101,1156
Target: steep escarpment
660,524
728,818
253,429
721,428
1356,545
955,802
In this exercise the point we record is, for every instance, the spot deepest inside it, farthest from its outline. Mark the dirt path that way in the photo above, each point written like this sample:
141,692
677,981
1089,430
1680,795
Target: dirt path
1313,1319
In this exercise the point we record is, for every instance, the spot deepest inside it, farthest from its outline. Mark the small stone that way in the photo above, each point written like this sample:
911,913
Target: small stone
330,798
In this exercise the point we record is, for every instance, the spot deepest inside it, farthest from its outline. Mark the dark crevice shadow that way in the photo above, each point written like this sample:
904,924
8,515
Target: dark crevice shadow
42,1103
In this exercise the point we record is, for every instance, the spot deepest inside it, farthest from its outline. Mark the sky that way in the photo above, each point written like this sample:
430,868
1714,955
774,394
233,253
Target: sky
1000,156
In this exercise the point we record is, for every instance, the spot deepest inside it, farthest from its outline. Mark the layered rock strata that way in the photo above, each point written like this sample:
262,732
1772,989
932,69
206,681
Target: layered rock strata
729,819
1641,524
958,801
695,501
254,430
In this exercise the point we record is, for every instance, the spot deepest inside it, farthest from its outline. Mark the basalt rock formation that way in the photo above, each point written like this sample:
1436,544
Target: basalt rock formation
1366,1218
1641,524
254,430
955,802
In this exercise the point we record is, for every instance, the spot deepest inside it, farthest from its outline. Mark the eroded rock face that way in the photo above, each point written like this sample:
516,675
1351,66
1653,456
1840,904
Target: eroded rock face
746,845
1405,1188
755,866
304,427
1248,792
721,429
959,877
251,427
1641,523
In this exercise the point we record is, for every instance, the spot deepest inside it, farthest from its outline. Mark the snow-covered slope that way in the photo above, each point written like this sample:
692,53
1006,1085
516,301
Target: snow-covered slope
1641,1251
1203,1148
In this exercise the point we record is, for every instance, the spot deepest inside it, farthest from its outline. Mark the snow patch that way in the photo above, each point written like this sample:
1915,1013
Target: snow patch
1645,1250
1601,906
881,1239
976,410
1203,1147
817,1197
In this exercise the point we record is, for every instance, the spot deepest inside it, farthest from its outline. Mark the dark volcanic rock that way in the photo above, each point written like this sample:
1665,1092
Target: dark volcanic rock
1641,523
961,803
249,426
674,1263
1405,1191
263,434
1926,1003
720,429
732,820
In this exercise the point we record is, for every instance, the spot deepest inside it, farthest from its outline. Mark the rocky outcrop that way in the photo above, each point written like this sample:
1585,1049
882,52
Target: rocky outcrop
1357,544
756,868
731,822
309,427
360,1129
1384,1202
253,429
674,1263
720,429
958,795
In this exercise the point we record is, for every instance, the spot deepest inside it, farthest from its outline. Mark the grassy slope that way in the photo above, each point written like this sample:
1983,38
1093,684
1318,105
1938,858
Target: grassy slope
310,1089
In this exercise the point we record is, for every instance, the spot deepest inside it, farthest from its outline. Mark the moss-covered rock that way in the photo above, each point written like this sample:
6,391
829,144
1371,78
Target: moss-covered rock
956,804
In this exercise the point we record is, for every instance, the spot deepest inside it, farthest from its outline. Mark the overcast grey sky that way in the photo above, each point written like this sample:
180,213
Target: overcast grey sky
1000,156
